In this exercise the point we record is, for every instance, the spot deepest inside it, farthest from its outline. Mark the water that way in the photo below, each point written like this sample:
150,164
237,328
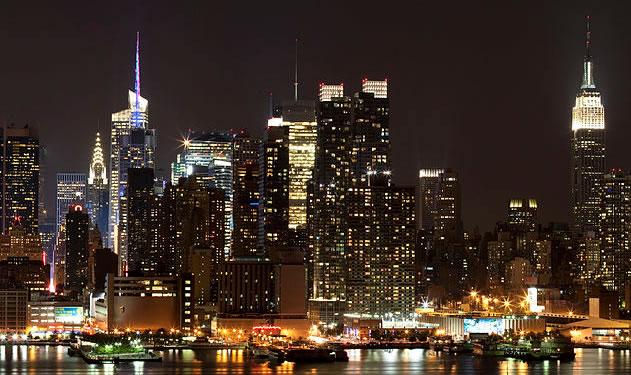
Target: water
54,360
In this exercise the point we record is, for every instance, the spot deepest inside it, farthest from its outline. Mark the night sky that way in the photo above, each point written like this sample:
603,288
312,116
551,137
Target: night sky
484,88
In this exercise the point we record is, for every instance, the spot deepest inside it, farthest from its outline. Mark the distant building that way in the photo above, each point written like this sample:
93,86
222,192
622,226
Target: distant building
97,198
13,309
71,189
54,317
208,157
20,174
77,248
427,200
518,271
245,175
31,274
139,199
132,145
615,232
141,303
587,160
19,243
522,215
380,250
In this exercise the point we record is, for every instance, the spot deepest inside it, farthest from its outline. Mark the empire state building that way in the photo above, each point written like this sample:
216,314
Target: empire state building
588,151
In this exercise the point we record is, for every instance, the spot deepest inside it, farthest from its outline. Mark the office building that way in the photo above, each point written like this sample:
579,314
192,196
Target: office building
208,157
20,194
77,248
448,206
428,188
97,198
141,303
19,243
132,145
139,201
522,215
287,163
71,189
587,161
34,275
13,309
245,157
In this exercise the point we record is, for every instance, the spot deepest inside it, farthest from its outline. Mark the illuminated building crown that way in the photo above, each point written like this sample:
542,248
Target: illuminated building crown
97,166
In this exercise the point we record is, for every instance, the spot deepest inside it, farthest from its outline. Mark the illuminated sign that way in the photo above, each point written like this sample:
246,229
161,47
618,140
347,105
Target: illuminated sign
483,326
69,314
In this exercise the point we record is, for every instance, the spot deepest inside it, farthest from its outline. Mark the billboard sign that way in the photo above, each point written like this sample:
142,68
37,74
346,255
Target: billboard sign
483,326
72,314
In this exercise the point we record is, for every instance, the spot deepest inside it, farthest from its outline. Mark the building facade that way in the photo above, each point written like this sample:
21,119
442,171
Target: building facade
71,189
77,248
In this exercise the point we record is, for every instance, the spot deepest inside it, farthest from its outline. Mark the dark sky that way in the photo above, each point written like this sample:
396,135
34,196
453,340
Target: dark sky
485,88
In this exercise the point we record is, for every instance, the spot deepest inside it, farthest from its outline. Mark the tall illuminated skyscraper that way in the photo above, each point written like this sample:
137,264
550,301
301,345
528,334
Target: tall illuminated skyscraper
245,176
208,157
428,187
587,151
132,145
97,190
288,159
615,232
70,190
20,174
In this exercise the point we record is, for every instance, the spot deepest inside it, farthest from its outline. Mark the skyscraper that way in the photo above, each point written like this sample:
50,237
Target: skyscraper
448,214
615,232
20,178
97,201
132,145
208,157
380,250
371,130
287,167
428,187
522,215
139,199
70,190
77,247
333,175
587,150
245,175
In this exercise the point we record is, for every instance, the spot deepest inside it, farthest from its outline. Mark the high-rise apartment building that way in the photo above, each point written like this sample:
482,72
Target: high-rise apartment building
71,189
615,232
380,250
20,167
371,130
587,151
245,175
97,199
132,145
333,175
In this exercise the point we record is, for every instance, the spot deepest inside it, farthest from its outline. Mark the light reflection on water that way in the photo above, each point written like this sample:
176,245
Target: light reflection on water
54,360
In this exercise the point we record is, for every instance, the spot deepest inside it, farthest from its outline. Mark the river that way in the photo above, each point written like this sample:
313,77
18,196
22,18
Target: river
21,359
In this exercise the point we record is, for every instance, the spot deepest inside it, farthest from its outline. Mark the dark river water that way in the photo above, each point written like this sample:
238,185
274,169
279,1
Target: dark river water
54,360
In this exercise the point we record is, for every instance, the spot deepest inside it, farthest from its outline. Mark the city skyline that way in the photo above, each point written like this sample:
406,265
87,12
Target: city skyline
541,50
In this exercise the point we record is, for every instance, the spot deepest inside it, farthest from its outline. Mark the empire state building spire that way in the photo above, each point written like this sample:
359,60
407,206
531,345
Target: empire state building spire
588,76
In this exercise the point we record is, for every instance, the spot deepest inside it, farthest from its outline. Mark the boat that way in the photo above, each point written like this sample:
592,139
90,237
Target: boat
260,351
549,348
309,354
438,343
276,354
457,347
488,349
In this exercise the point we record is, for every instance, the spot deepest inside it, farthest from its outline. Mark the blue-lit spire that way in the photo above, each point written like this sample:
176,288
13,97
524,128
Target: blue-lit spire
137,85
